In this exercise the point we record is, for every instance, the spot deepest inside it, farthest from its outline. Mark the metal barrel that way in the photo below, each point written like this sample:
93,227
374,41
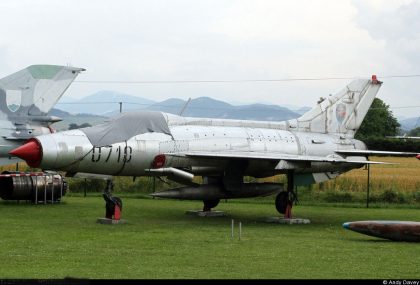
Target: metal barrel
24,186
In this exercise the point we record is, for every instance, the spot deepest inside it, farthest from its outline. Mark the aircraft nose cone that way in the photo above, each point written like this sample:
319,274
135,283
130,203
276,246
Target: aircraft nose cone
346,225
31,152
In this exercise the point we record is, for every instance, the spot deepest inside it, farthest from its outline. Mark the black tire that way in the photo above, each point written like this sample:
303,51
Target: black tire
209,204
281,202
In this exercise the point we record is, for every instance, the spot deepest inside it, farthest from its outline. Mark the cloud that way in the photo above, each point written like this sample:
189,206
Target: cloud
216,40
398,26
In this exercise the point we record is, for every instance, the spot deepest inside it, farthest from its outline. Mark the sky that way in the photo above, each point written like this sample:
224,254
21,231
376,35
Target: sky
222,40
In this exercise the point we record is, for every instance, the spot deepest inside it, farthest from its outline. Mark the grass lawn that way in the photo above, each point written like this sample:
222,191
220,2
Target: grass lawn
160,241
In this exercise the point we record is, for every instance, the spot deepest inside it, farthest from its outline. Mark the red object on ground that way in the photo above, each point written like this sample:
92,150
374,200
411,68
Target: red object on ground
393,230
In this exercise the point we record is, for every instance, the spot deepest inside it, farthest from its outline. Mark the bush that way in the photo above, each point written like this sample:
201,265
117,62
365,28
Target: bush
336,196
77,185
391,196
389,144
416,196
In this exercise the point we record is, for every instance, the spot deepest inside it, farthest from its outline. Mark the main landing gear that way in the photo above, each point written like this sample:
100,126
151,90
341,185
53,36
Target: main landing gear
209,204
285,199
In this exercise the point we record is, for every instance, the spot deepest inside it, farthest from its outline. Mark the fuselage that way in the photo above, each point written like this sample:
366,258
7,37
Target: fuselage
73,151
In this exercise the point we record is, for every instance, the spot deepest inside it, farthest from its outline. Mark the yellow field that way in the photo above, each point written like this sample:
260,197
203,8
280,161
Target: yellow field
404,175
12,167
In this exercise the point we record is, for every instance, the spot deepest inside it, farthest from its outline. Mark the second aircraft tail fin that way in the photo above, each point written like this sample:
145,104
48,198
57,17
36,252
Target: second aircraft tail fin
342,113
33,91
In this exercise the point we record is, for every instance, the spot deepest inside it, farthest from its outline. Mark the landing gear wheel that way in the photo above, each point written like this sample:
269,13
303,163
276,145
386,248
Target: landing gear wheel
282,200
209,204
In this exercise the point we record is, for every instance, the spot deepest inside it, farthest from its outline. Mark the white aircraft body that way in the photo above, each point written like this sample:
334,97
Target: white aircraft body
316,147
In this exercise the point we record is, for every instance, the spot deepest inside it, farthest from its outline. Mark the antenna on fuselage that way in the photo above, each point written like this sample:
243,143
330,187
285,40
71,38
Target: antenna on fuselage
185,106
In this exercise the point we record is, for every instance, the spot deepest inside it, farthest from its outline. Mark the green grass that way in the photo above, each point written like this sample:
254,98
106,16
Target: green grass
160,241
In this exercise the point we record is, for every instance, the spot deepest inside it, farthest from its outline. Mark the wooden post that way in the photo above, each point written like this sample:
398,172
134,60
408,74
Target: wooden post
368,186
240,230
231,227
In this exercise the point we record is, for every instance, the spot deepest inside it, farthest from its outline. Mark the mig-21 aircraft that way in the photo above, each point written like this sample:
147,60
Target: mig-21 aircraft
313,148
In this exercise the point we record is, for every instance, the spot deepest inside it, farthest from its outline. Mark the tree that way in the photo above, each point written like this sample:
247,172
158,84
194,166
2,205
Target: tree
414,132
379,122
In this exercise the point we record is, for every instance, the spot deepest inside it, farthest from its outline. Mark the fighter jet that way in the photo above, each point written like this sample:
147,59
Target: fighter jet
316,147
26,97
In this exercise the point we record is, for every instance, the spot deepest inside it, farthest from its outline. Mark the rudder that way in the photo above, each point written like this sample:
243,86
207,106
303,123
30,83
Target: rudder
342,113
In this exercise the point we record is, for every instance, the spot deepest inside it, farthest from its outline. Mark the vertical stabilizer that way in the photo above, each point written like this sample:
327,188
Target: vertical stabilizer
342,113
34,90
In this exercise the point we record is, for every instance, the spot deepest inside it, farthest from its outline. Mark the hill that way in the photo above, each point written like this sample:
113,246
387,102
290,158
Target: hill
103,103
106,104
409,124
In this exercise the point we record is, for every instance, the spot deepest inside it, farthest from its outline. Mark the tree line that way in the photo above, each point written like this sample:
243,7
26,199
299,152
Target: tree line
379,124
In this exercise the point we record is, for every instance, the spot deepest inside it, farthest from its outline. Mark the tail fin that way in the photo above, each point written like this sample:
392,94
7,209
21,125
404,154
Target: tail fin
34,90
342,113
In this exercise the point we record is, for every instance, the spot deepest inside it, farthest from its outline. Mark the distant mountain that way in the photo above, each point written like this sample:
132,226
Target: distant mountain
409,124
211,108
264,112
103,103
106,104
74,119
97,107
173,106
58,113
